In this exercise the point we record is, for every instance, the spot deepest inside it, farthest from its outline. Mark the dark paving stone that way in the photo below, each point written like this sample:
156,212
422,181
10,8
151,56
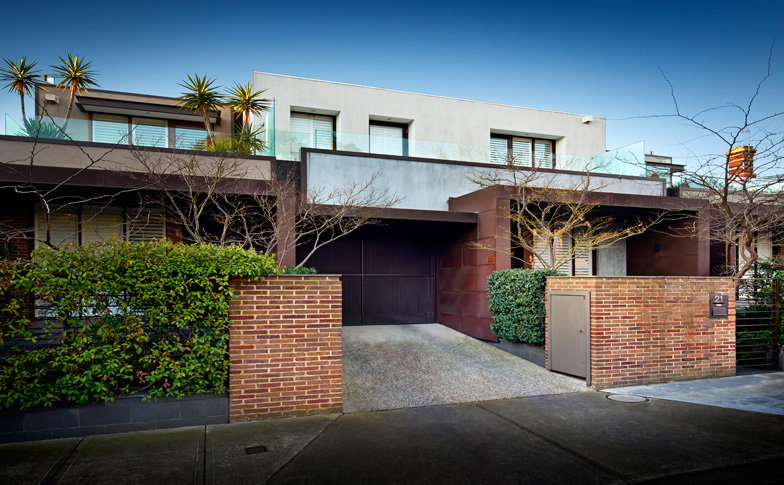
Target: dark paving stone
51,419
205,407
104,415
155,411
11,421
129,427
78,432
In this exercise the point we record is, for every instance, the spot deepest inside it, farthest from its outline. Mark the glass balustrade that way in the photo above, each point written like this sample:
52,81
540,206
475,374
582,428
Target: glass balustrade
285,145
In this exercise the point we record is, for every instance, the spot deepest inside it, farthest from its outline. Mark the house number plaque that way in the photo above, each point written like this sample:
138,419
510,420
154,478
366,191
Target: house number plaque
719,306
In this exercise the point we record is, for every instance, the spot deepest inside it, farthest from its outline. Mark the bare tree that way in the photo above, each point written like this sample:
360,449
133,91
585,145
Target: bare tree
323,216
189,187
25,175
216,199
556,216
745,184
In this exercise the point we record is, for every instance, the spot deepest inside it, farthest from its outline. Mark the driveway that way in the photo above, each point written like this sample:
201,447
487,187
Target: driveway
403,366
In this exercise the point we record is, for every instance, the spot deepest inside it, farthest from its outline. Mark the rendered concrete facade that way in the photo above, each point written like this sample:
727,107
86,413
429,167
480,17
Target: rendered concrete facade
429,184
429,118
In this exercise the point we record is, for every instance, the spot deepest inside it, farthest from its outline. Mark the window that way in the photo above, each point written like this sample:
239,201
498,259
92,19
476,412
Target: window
187,137
149,132
110,129
521,151
580,265
101,223
311,131
388,138
114,129
86,223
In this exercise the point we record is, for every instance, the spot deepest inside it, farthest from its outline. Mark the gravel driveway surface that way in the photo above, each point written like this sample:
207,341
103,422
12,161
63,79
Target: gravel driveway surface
401,366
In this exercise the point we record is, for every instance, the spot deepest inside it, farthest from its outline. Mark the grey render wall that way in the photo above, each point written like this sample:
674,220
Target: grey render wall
429,118
428,185
611,260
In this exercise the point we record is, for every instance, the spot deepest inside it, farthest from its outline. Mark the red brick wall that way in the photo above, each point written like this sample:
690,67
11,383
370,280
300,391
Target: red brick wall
285,347
648,330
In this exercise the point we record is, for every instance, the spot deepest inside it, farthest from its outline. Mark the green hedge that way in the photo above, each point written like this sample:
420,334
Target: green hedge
88,323
517,301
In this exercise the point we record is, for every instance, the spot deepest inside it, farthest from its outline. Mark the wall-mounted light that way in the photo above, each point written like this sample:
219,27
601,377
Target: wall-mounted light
587,120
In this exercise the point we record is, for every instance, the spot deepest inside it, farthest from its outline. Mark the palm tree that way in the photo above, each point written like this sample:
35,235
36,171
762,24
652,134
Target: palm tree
76,76
246,101
201,96
22,78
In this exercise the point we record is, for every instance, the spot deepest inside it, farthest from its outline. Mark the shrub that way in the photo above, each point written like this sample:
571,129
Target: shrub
298,270
517,301
86,323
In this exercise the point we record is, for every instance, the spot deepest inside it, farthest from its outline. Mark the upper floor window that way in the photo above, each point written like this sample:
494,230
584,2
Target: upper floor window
388,138
149,132
122,130
522,151
112,129
312,131
187,136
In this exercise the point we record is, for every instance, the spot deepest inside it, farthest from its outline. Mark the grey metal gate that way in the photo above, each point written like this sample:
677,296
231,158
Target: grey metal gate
570,332
757,323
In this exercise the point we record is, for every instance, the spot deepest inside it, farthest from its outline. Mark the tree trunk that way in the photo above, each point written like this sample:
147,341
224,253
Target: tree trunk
206,116
746,246
68,113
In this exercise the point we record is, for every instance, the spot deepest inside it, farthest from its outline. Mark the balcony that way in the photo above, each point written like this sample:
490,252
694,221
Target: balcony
114,155
284,145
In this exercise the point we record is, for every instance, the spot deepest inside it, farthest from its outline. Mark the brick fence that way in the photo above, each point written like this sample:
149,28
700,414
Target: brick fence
649,330
285,347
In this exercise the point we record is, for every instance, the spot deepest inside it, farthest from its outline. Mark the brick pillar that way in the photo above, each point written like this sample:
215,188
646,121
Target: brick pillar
285,347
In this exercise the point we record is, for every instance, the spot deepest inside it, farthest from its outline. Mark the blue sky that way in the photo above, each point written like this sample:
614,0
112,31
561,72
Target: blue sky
598,58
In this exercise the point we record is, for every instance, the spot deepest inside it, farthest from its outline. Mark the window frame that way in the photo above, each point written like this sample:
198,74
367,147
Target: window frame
511,139
78,213
300,114
389,124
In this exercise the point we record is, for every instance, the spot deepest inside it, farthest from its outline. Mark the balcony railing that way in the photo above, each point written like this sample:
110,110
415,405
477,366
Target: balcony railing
284,145
109,132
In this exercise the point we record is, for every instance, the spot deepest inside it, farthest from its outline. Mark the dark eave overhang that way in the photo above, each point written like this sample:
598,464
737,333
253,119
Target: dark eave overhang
143,110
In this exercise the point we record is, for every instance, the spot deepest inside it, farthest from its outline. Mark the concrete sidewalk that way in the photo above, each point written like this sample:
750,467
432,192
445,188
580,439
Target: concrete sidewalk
763,393
568,438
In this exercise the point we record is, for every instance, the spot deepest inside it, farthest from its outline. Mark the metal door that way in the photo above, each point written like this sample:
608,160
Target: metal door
388,274
569,334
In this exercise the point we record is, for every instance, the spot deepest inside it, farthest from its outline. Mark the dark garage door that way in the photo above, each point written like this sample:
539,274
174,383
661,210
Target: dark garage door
388,274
